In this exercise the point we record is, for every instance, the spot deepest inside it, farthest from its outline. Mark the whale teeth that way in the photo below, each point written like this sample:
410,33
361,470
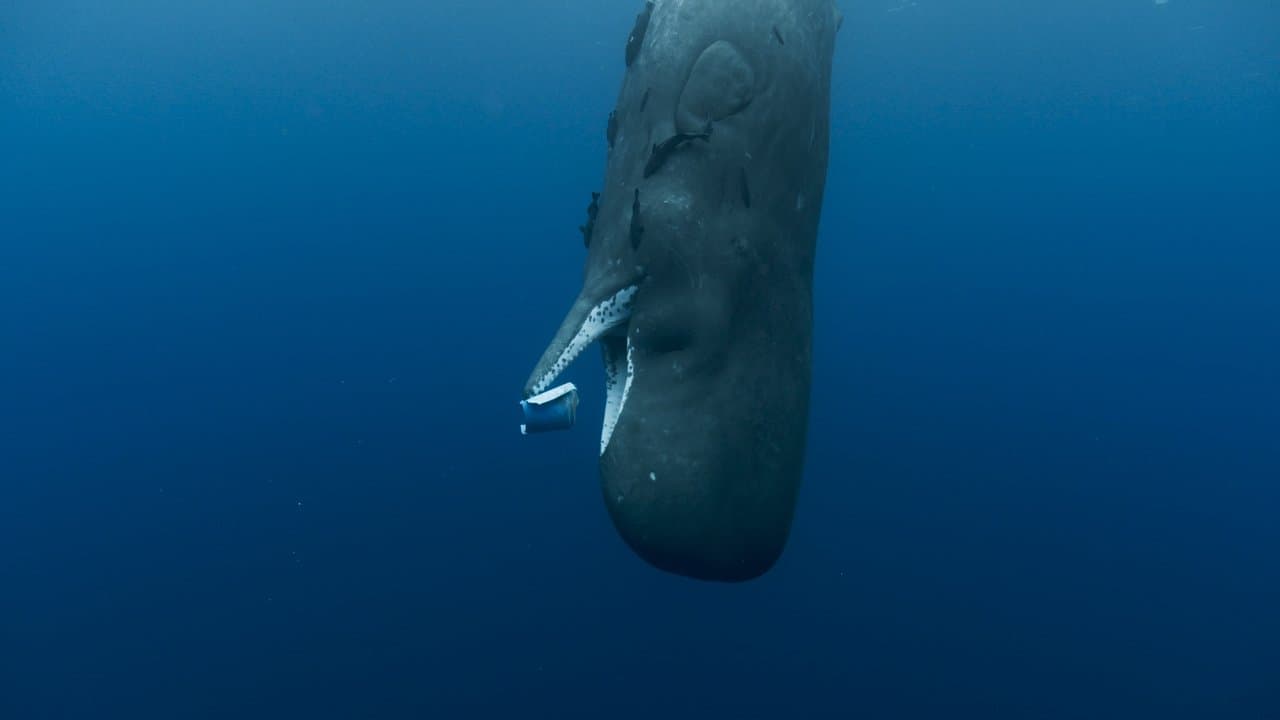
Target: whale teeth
600,320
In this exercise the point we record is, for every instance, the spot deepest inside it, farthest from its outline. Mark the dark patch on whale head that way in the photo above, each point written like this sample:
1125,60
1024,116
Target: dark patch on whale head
636,39
593,210
644,101
611,129
777,35
637,229
745,188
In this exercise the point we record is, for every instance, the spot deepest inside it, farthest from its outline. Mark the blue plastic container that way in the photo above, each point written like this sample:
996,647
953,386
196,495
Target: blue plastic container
555,409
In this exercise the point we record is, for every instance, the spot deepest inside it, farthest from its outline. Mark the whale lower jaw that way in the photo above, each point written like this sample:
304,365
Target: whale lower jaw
617,382
605,322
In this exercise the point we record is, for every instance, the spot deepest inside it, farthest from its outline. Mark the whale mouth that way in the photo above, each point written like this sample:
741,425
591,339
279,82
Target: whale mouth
606,322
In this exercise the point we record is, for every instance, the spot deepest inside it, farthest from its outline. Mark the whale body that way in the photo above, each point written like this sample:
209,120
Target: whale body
698,279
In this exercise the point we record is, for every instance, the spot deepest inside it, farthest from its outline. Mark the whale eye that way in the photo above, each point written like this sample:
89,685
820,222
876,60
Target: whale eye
721,84
668,337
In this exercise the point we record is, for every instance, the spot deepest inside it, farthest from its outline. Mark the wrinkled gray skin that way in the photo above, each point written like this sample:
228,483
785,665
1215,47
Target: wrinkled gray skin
702,468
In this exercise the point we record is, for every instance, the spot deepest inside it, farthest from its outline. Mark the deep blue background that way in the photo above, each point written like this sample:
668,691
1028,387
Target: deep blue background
272,274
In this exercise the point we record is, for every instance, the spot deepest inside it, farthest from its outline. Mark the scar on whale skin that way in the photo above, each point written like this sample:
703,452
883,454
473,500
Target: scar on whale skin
667,148
593,210
637,230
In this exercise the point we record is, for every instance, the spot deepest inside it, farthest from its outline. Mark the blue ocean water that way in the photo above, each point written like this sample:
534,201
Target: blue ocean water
272,275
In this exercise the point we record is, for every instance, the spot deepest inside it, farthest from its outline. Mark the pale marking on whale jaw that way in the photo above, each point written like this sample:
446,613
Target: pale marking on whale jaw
616,391
612,390
603,317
